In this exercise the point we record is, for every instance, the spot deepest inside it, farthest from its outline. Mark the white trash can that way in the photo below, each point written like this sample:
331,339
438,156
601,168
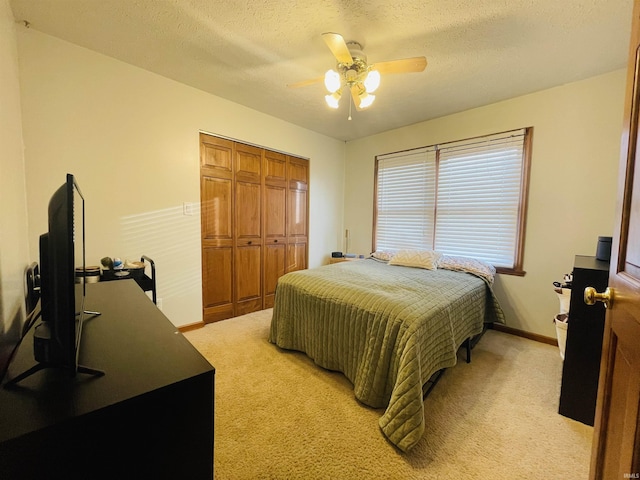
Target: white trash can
562,322
564,296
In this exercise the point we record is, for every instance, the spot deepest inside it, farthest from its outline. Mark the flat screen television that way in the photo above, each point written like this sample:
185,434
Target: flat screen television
57,338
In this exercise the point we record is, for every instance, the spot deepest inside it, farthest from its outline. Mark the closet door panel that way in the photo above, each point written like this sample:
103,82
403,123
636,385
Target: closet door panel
275,241
297,213
217,281
217,247
216,155
298,199
247,274
274,267
248,247
248,211
275,212
275,172
216,208
275,224
248,163
298,170
296,256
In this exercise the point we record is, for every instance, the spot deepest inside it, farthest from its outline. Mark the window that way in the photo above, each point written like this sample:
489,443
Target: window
463,198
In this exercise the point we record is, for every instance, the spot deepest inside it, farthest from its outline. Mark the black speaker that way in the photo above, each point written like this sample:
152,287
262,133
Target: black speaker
603,251
336,254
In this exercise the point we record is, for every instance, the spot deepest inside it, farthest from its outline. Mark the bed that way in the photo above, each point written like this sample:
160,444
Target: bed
387,328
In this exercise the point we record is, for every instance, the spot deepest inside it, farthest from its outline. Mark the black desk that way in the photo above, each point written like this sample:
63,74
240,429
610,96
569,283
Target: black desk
581,367
149,416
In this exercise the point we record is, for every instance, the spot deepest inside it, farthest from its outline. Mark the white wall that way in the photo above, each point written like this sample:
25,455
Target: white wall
576,145
14,241
131,139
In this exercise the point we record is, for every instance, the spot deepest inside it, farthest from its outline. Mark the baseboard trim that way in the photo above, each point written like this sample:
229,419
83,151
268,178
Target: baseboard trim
495,326
522,333
191,326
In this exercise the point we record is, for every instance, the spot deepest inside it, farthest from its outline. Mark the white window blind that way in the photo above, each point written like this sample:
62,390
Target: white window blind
406,192
470,193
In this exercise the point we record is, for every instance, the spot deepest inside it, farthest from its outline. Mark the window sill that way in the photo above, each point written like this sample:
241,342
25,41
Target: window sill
511,271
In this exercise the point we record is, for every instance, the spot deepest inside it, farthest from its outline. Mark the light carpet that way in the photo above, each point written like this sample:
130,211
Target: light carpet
280,416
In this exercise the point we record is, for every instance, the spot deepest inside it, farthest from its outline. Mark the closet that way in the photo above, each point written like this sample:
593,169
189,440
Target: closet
254,214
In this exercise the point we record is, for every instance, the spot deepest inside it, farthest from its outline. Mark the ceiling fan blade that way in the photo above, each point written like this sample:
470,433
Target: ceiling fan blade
338,47
406,65
306,83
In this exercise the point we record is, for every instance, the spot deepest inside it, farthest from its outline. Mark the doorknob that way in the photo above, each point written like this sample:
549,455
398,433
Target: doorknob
591,296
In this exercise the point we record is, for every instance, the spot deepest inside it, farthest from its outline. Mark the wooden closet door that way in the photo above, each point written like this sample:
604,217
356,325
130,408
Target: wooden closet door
254,224
248,229
275,232
216,199
297,214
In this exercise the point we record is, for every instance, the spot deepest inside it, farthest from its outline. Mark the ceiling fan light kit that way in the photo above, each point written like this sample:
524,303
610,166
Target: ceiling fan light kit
360,88
333,100
372,82
332,81
366,100
355,74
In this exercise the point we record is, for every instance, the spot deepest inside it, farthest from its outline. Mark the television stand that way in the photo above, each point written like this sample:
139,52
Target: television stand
40,349
151,414
39,366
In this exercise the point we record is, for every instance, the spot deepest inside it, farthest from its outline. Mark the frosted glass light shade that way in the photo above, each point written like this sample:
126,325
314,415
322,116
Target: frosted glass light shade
332,80
333,100
372,82
366,100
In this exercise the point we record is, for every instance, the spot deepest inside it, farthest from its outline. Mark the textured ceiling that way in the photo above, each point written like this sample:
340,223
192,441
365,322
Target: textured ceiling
478,51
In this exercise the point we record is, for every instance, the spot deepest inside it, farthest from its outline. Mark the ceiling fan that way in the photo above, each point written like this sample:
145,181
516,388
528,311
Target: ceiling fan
355,74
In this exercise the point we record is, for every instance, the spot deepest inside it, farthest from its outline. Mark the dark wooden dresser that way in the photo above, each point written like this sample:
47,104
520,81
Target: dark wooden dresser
149,416
581,367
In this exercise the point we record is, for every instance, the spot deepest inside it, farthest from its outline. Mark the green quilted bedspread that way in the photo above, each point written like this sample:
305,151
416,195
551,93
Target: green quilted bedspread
387,328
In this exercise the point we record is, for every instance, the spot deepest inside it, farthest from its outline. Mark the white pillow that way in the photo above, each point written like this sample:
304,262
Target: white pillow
382,255
470,265
427,259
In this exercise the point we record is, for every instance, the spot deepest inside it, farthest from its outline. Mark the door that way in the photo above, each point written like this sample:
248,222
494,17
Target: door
616,444
248,229
254,217
216,200
297,214
275,216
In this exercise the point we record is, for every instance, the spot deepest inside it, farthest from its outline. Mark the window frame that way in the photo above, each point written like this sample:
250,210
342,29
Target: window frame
518,260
